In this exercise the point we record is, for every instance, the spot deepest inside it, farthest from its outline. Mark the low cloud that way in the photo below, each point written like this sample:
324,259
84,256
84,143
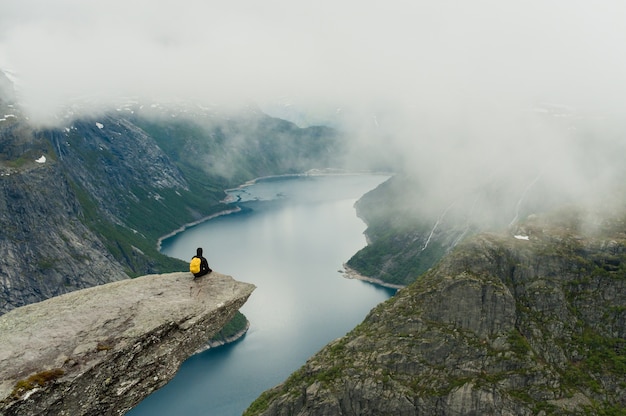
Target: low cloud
456,92
444,56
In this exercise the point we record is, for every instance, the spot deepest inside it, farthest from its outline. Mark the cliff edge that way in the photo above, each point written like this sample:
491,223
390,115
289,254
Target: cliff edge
102,350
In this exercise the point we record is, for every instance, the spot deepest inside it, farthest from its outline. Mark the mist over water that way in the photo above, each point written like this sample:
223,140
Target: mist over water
291,245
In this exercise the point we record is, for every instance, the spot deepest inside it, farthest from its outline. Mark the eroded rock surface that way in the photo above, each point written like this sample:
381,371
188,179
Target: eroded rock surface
103,349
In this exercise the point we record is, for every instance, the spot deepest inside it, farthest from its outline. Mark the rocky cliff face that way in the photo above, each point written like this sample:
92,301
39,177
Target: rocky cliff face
65,210
45,248
524,323
99,351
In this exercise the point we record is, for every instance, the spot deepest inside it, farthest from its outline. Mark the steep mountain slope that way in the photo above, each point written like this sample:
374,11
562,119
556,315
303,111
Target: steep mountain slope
45,247
85,203
521,323
237,148
404,241
409,232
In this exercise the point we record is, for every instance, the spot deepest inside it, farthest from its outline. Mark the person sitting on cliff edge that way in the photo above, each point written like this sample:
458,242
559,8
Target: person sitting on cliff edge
199,266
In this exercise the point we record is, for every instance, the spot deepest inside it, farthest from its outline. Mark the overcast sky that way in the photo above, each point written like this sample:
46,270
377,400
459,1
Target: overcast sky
336,52
448,78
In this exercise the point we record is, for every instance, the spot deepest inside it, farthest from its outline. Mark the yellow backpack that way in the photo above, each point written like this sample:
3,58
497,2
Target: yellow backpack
194,266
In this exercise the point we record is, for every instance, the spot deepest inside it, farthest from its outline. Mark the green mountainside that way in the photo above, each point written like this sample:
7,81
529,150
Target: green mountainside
410,226
400,245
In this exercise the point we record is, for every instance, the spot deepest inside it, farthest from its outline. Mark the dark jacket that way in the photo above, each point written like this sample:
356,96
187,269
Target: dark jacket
204,264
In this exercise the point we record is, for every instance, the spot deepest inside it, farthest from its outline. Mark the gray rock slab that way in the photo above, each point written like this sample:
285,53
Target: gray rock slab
110,345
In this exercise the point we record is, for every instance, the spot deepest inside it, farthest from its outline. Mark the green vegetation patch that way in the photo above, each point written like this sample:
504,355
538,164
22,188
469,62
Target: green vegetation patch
134,250
36,380
397,259
519,344
602,354
232,328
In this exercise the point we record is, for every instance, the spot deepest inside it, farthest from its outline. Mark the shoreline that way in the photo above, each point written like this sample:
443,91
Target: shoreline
350,273
194,223
227,340
312,172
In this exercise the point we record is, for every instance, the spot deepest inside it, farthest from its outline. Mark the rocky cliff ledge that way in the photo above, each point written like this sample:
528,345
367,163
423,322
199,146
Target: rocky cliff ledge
102,350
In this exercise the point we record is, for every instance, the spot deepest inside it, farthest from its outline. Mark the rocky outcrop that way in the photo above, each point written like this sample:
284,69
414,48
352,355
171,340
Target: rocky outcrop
523,323
101,350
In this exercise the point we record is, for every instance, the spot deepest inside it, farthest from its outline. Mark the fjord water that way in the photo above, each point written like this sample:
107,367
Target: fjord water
290,240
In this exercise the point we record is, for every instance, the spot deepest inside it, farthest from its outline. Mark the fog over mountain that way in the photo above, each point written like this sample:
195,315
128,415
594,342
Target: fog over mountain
462,94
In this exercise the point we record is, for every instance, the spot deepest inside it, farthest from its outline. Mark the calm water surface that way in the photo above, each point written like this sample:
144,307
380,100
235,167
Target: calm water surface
290,240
